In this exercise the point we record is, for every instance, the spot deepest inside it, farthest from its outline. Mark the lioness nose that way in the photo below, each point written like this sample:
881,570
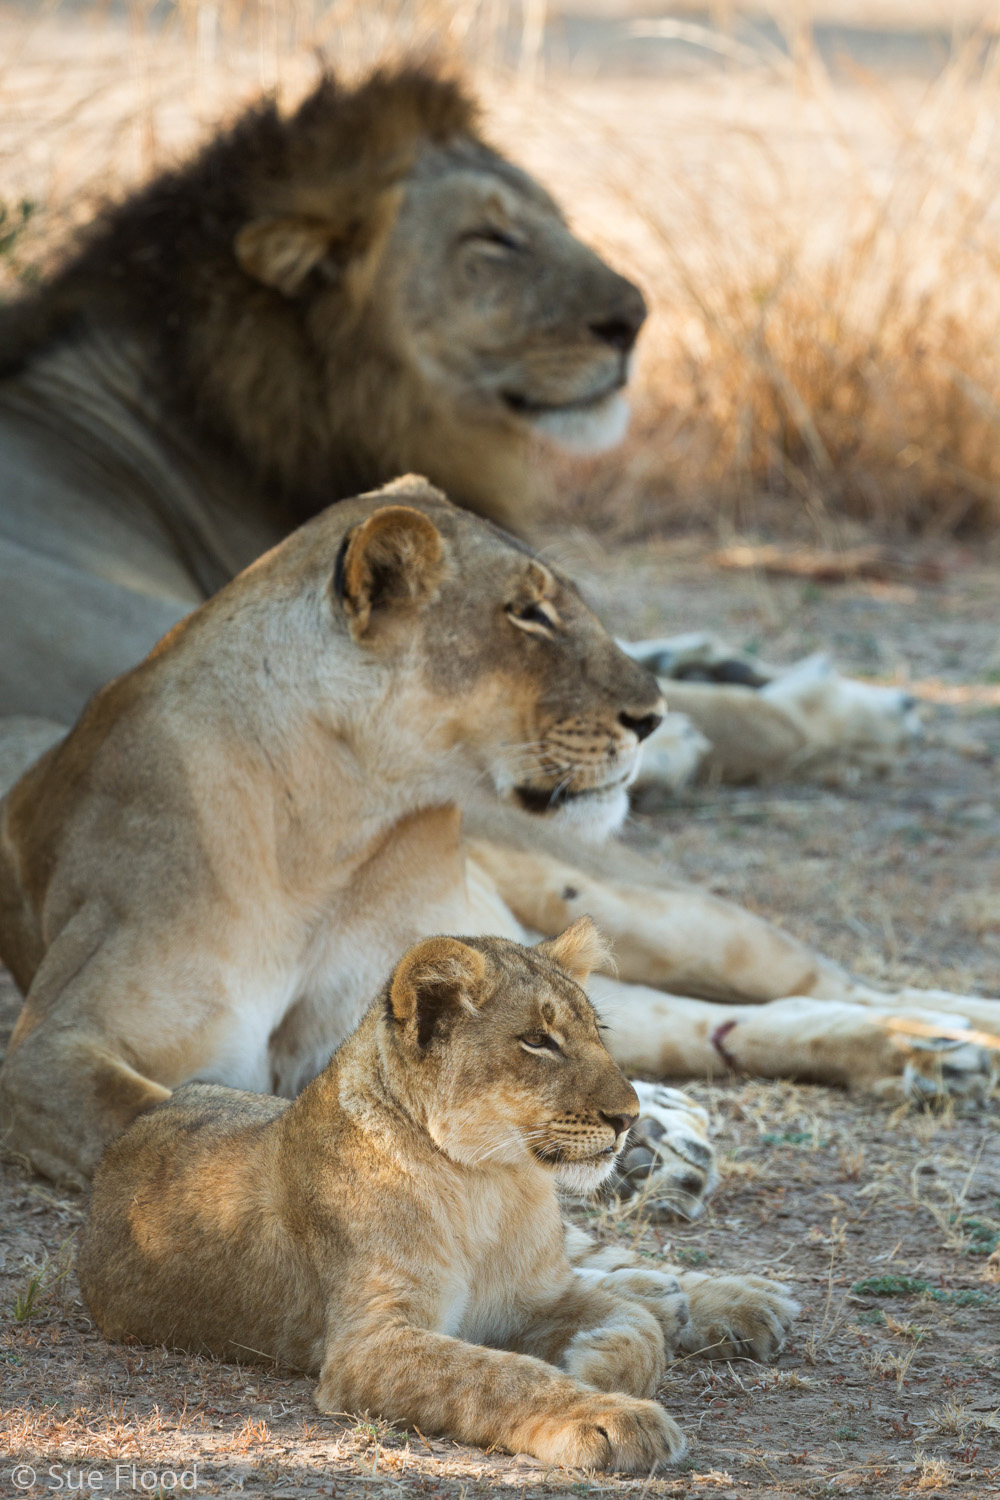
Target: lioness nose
620,325
619,1123
641,727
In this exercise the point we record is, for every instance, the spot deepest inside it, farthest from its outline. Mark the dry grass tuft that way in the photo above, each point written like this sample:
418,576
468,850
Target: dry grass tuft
828,294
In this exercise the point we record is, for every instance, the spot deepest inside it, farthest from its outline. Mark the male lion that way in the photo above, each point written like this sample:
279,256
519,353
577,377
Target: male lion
216,868
396,1230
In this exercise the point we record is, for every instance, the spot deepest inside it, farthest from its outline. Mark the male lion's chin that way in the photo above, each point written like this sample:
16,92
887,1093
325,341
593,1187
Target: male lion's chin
585,429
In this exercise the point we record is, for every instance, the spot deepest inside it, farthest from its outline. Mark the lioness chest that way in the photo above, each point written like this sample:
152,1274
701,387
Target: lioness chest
347,958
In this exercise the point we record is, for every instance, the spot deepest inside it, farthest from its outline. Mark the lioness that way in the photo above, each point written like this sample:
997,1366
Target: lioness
396,1230
217,867
214,871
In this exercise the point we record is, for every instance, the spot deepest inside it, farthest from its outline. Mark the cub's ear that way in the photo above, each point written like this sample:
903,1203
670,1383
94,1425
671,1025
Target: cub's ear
435,977
281,251
394,558
579,950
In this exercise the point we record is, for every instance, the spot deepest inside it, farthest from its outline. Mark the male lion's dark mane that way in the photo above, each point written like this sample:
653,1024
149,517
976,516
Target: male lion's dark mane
225,354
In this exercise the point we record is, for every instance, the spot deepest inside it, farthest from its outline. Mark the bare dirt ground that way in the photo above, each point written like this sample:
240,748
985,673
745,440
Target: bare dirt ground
883,1221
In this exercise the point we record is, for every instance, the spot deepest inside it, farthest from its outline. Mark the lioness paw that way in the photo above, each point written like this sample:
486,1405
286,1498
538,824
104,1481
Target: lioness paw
608,1432
939,1068
736,1316
667,1157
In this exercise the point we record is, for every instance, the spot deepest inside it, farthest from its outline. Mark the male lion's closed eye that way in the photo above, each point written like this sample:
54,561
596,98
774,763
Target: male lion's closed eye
500,239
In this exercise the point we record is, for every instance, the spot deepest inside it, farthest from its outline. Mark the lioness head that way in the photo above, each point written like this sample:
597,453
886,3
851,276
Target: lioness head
503,1057
489,660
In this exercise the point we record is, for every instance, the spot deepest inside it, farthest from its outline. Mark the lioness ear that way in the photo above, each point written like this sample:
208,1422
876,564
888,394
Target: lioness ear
437,976
579,950
281,251
396,557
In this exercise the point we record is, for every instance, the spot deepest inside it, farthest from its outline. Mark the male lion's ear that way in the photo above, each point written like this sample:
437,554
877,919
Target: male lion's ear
281,251
579,950
395,557
435,977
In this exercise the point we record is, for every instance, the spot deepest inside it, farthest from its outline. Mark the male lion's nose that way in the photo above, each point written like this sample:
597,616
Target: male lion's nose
619,1123
643,726
620,325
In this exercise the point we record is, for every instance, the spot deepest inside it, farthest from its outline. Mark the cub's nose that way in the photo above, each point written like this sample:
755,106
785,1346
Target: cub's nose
619,1123
641,725
620,325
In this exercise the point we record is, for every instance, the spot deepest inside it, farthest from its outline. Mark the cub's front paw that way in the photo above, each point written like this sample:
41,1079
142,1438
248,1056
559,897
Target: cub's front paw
624,1353
734,1316
668,1158
608,1432
659,1292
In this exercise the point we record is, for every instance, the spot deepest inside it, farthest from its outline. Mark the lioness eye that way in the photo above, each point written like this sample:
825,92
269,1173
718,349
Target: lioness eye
539,1041
531,614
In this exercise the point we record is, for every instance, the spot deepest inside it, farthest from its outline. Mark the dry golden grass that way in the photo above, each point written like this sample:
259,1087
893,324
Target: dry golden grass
821,251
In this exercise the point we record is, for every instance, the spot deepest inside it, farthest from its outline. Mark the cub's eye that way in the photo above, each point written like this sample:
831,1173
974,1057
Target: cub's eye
539,1041
533,616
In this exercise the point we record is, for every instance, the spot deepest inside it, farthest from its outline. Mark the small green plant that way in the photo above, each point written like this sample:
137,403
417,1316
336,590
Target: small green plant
847,1434
13,223
792,1138
876,1315
692,1257
983,1238
967,1296
25,1302
916,1286
42,1282
891,1286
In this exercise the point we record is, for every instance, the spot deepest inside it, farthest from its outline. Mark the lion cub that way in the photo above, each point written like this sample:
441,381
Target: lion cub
396,1229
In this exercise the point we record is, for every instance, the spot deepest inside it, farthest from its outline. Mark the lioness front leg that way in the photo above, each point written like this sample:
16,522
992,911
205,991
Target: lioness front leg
491,1397
674,937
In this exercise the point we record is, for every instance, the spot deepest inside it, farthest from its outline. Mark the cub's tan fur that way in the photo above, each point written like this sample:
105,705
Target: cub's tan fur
401,1215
